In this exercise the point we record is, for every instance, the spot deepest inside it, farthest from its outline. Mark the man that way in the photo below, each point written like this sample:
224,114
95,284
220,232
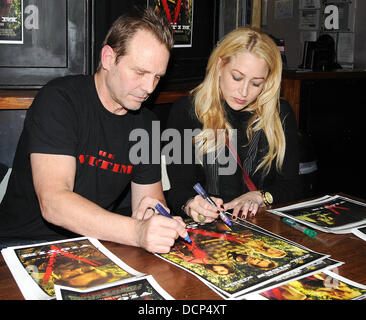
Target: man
72,161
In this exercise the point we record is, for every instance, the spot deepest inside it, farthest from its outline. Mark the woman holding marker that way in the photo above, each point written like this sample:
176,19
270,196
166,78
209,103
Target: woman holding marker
245,154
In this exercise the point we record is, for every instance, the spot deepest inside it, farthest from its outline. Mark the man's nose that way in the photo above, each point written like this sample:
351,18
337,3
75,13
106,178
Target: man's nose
149,83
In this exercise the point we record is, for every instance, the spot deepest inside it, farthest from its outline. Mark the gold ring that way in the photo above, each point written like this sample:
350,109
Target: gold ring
201,218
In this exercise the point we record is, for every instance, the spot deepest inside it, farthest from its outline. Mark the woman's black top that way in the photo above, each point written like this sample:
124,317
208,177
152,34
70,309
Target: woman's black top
184,170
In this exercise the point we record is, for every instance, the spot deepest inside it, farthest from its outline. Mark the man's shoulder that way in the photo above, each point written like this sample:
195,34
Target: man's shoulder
67,88
142,118
144,113
74,82
63,95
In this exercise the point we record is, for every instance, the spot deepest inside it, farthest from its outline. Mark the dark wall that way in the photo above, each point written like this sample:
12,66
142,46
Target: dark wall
333,117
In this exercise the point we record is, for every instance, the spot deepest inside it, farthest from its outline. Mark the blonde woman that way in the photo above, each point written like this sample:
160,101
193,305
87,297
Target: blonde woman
240,115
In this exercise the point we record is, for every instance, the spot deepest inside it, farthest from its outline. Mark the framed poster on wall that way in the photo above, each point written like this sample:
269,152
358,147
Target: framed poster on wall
56,42
11,21
189,59
180,15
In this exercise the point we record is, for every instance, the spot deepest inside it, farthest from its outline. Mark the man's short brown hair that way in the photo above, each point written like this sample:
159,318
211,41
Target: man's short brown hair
126,26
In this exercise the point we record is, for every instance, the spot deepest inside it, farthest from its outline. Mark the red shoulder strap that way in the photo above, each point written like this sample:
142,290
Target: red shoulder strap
246,178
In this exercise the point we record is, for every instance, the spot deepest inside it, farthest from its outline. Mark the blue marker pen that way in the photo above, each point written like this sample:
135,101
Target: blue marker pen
205,196
165,213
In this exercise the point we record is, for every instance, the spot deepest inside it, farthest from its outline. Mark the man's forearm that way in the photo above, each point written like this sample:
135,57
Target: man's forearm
77,214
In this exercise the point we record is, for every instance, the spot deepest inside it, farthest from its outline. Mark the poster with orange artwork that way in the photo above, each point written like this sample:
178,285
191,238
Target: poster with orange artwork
235,261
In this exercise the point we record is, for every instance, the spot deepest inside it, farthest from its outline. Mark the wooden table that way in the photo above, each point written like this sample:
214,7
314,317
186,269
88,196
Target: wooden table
182,285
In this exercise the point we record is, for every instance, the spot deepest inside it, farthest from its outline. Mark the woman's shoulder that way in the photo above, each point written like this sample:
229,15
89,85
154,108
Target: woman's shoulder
287,115
286,109
285,105
183,110
183,103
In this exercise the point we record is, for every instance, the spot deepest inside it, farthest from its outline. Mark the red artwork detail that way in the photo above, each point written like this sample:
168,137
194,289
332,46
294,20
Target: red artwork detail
332,208
200,254
52,254
176,10
217,235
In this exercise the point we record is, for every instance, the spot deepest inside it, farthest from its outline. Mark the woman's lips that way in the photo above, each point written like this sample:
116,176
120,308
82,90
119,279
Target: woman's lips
240,101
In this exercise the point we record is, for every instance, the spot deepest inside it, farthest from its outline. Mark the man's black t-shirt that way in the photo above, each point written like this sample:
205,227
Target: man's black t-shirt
67,118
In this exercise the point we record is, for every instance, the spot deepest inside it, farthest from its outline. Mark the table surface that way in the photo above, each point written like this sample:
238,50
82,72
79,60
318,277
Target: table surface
347,248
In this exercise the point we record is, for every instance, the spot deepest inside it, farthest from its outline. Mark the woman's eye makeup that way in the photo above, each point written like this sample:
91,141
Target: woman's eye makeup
241,77
237,78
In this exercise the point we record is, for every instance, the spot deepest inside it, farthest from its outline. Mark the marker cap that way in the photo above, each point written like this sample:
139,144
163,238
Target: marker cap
199,189
310,233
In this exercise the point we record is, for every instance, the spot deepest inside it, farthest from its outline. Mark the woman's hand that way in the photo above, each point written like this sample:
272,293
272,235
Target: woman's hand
249,202
200,210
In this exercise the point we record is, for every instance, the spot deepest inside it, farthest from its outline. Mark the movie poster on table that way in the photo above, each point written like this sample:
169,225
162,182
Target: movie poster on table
79,263
11,21
180,15
236,261
324,285
335,214
142,288
360,232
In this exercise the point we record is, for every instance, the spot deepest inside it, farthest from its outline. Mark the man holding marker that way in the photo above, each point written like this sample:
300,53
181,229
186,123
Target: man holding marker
72,161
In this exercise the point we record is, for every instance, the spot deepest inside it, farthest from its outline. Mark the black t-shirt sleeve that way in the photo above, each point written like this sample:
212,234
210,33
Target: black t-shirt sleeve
147,174
51,122
149,171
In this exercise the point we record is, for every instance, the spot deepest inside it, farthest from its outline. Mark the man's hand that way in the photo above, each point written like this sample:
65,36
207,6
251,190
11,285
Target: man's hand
158,233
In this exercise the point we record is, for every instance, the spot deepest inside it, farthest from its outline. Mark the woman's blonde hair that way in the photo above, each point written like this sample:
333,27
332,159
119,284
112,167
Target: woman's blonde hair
208,98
